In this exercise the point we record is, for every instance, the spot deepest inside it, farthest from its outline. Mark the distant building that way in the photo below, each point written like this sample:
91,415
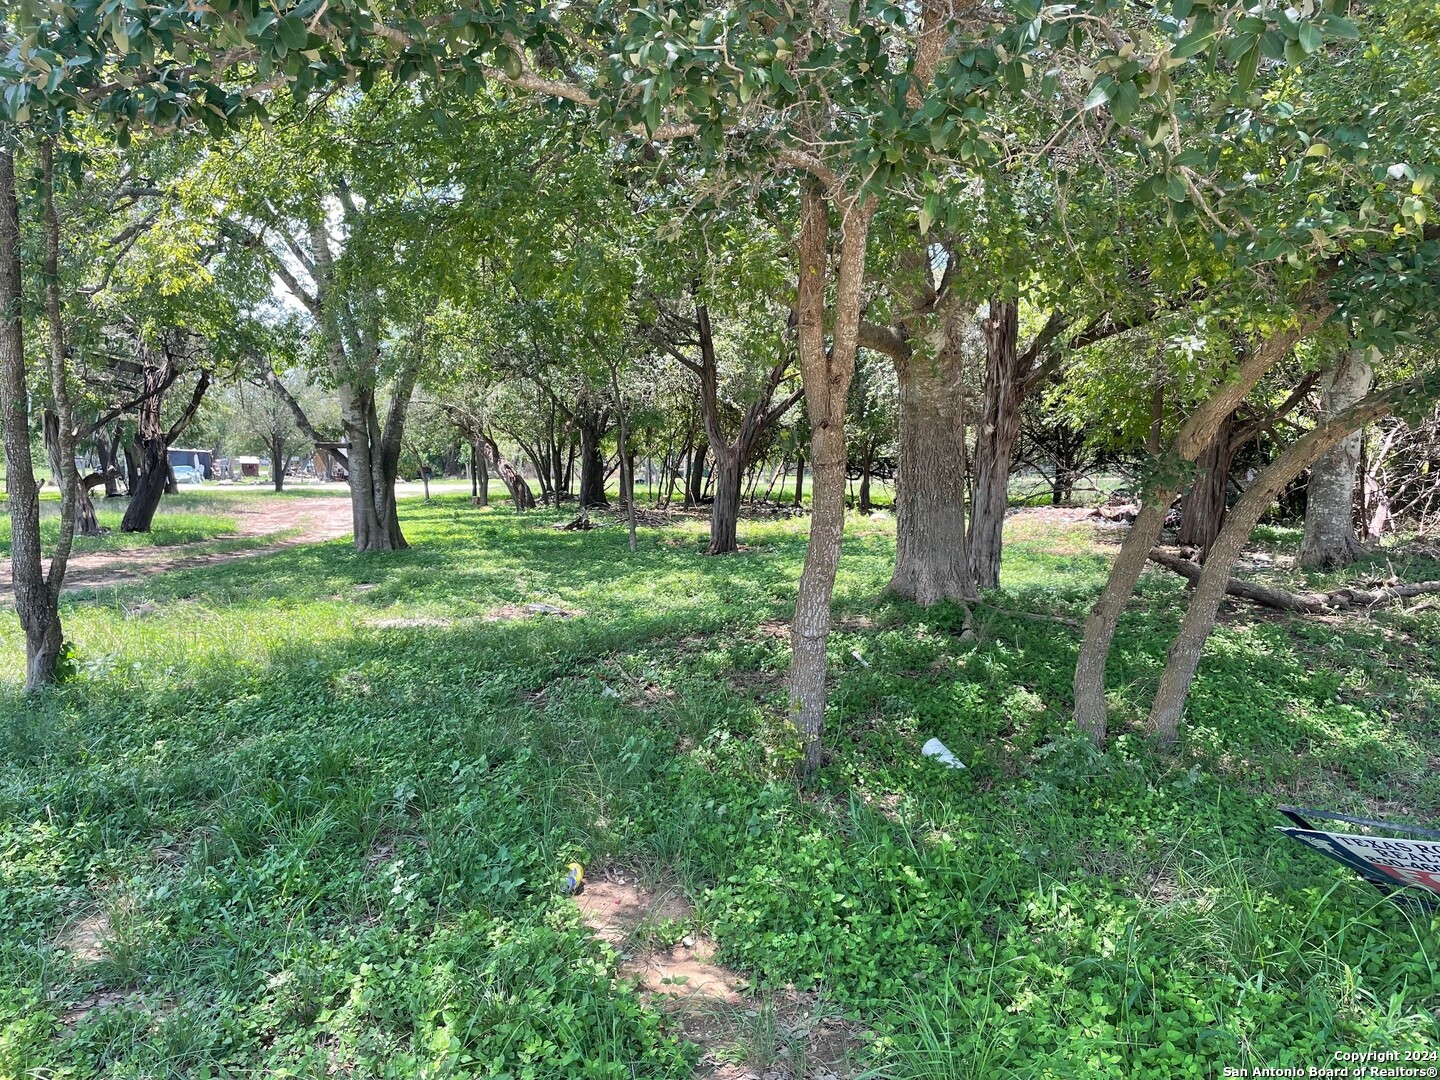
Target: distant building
196,459
245,466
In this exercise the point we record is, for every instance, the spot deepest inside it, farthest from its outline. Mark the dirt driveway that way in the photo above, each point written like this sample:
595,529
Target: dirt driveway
306,520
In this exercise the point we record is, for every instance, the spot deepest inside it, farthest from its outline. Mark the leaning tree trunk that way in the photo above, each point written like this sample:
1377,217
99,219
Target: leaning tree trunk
520,494
1329,538
1194,435
1202,513
998,430
1185,651
931,551
826,375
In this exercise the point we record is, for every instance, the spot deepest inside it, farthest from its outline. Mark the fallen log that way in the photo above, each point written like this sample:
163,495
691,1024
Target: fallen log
1308,603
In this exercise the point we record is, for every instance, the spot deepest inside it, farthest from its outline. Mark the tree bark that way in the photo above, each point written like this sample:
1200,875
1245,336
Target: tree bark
867,463
592,464
826,375
36,599
998,429
799,481
725,510
931,550
372,450
1194,435
733,456
277,463
108,449
520,494
479,475
1185,651
1202,513
695,478
152,443
1329,538
86,523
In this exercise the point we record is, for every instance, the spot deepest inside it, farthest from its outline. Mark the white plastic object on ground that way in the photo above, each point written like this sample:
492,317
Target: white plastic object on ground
941,753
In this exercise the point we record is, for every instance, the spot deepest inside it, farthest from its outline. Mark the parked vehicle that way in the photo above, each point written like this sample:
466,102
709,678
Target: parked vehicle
188,474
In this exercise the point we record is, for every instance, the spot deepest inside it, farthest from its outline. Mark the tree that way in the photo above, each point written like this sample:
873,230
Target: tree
1338,425
1329,538
37,591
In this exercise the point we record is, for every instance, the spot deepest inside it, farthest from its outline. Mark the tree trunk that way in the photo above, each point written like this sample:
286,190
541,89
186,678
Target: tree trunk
1194,435
277,464
479,475
150,485
998,430
1184,656
826,375
725,511
108,450
931,553
799,480
520,494
36,602
695,479
592,467
1329,538
373,468
867,462
86,523
1202,513
132,465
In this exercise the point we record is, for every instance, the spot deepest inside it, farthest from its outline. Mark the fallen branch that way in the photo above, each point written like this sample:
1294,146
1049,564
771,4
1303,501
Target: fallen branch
1310,603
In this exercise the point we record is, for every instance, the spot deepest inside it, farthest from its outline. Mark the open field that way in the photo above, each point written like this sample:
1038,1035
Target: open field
307,813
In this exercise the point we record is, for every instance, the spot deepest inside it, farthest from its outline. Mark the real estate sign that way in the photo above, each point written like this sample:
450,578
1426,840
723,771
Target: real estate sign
1382,860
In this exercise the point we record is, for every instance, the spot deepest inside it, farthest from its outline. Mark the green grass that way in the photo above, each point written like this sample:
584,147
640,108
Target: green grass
181,520
324,801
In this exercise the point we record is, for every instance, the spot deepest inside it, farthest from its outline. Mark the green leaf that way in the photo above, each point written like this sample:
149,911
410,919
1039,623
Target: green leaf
1340,27
1248,66
292,32
1310,37
1193,43
929,212
1100,93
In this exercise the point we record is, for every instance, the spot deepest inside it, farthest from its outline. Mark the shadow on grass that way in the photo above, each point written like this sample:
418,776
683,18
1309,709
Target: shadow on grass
310,791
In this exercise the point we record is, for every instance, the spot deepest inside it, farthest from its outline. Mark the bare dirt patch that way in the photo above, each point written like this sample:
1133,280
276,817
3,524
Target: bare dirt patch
511,612
784,1035
101,999
304,520
85,939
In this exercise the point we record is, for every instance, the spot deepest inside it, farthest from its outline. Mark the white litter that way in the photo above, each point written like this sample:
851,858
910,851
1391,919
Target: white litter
941,753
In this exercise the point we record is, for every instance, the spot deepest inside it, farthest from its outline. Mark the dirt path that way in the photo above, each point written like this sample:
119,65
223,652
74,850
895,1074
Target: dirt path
307,520
782,1034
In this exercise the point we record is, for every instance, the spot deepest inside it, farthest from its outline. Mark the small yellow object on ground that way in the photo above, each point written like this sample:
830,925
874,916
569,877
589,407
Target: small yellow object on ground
574,879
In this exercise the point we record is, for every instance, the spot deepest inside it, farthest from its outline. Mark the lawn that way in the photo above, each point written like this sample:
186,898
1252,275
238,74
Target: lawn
308,813
186,519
